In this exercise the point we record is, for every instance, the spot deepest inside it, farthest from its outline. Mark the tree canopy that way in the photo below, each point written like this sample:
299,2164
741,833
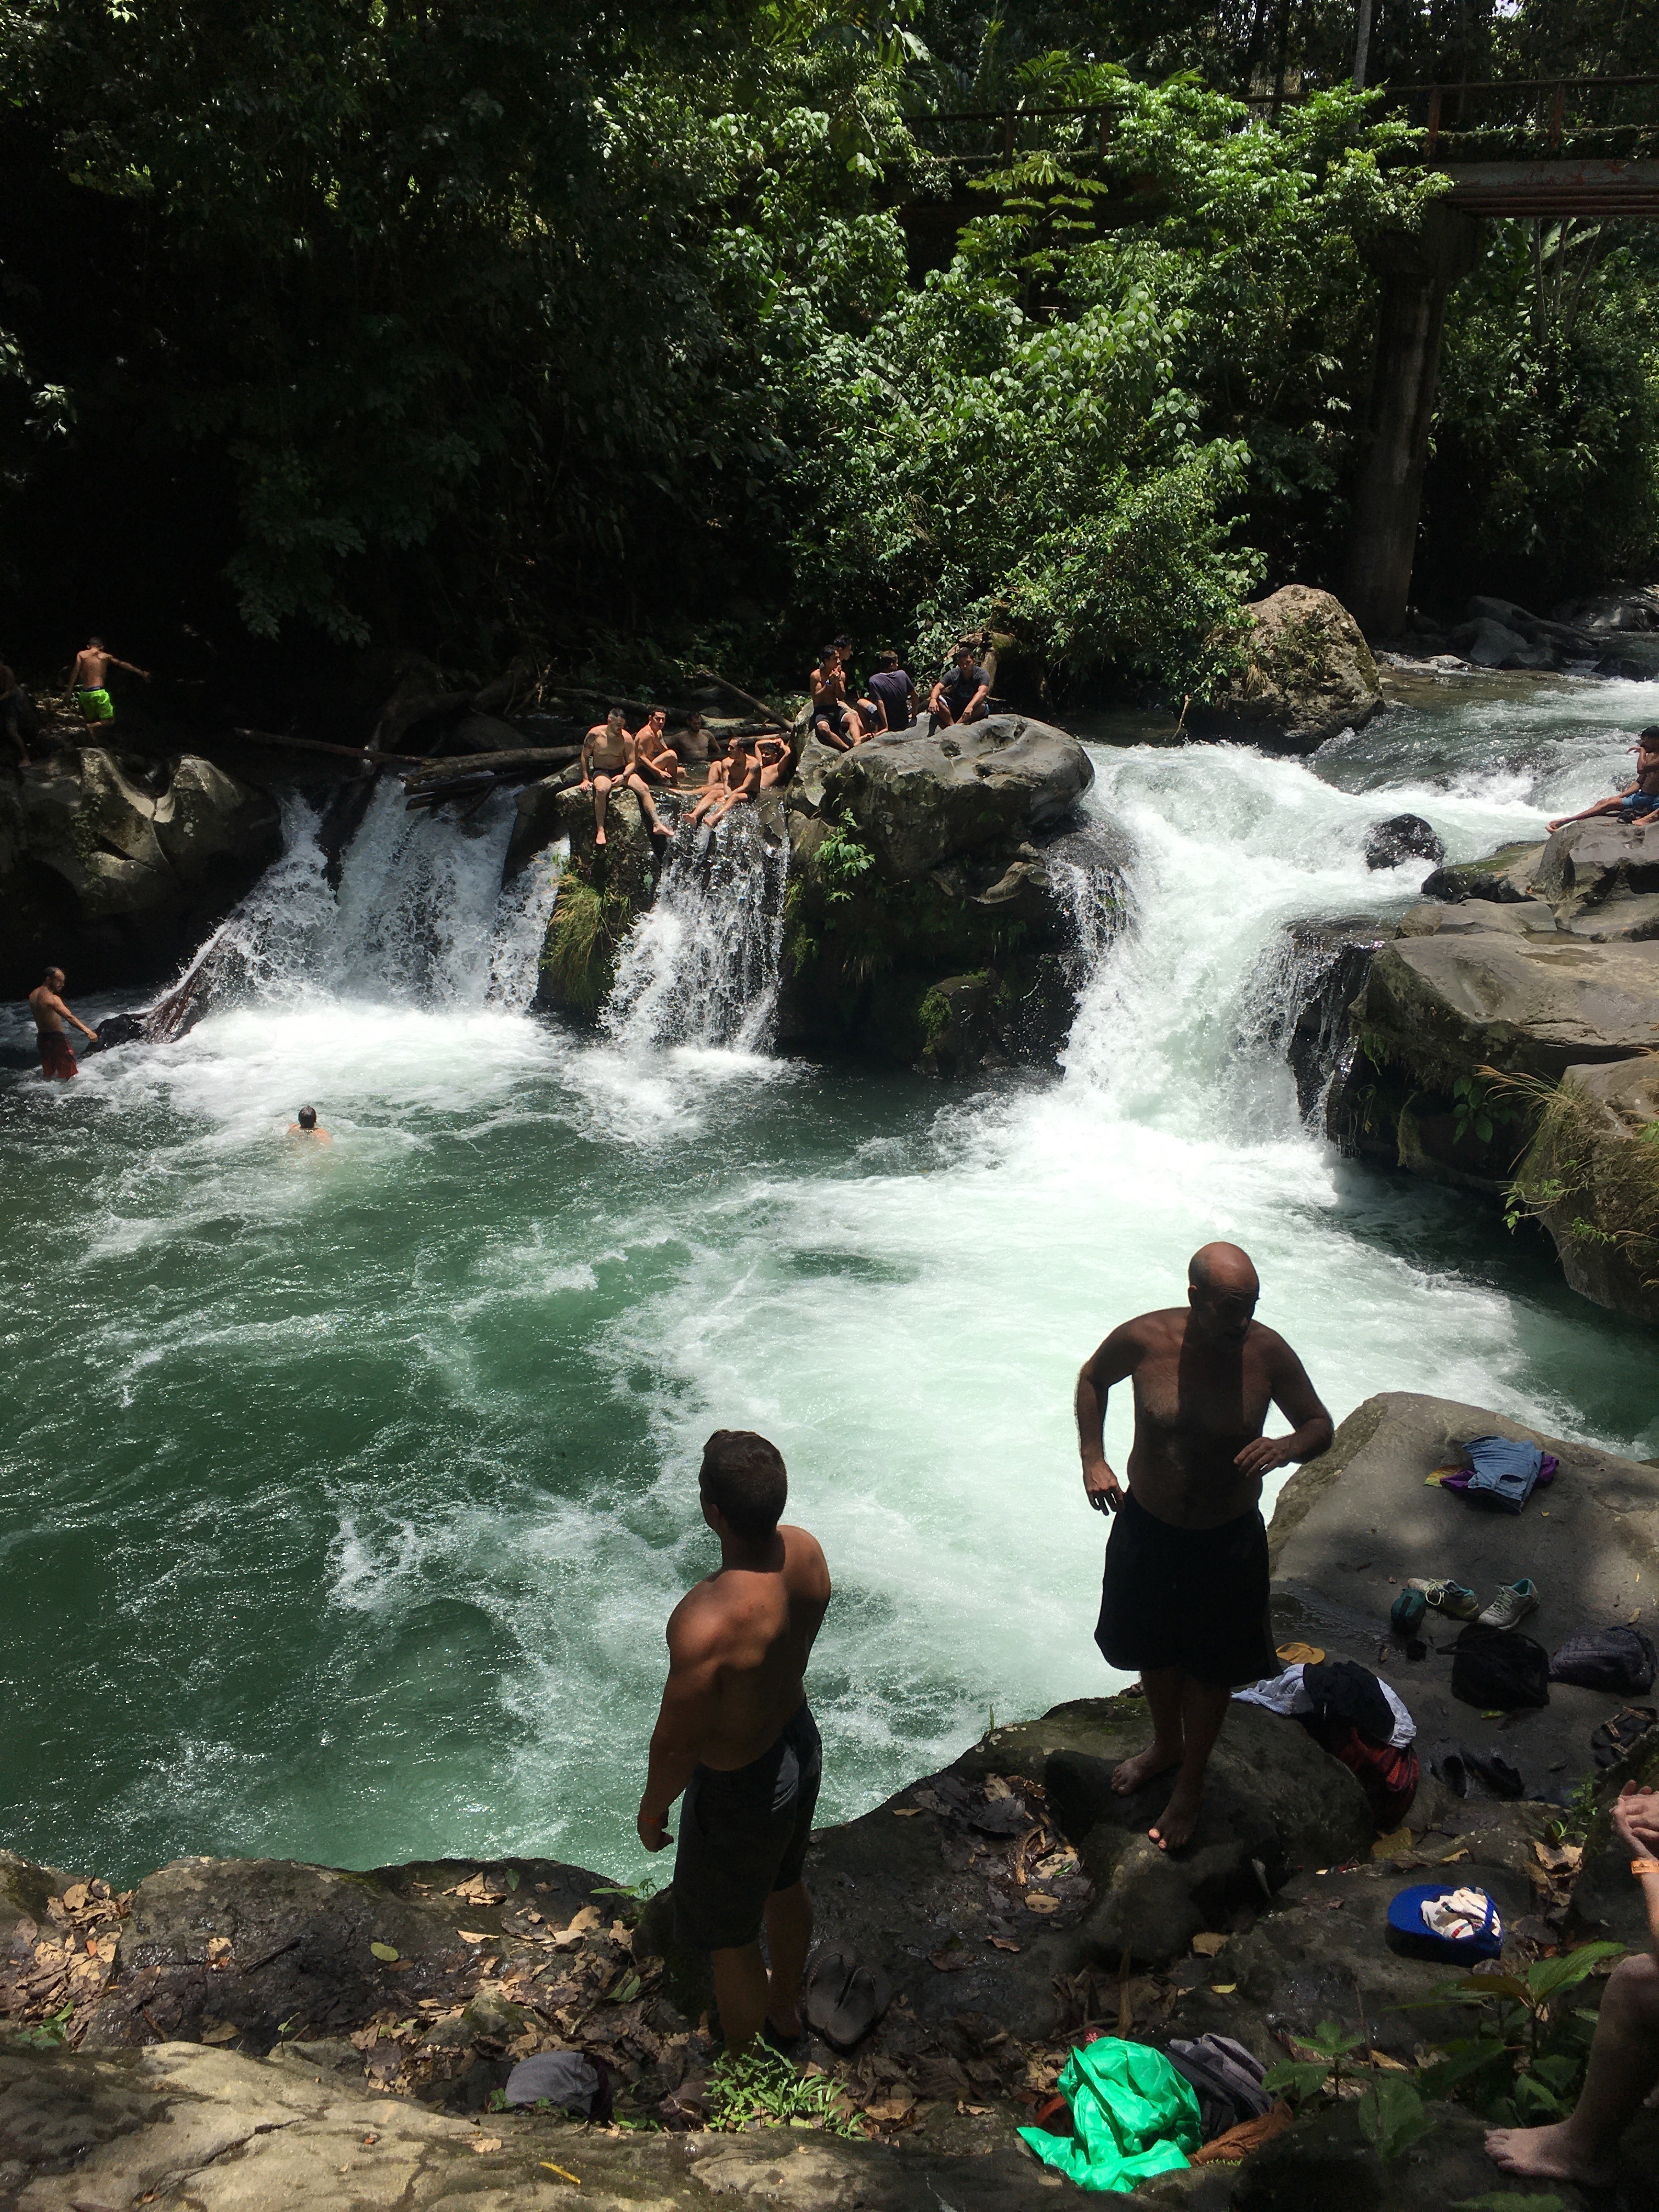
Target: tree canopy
638,330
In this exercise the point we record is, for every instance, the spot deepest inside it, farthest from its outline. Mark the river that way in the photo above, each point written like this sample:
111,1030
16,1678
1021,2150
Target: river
344,1491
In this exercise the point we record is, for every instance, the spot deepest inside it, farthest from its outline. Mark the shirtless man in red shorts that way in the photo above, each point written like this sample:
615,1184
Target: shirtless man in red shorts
56,1054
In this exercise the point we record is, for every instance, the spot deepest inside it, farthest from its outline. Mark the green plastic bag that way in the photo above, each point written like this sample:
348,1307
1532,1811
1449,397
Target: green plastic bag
1133,2115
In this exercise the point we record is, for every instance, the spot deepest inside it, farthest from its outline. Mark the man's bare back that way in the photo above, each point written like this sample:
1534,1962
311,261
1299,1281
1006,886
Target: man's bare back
748,1631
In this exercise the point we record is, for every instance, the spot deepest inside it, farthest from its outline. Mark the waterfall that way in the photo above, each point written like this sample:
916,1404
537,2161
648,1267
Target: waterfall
701,965
1296,1004
420,916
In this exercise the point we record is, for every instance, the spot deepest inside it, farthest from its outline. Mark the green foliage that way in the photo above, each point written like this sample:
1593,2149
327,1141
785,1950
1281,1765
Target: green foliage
841,860
759,2088
1480,1108
933,1015
1525,2062
1391,2116
1300,2079
46,2034
586,928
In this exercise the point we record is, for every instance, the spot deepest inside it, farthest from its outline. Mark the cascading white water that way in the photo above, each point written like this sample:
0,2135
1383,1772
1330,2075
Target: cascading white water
701,964
421,916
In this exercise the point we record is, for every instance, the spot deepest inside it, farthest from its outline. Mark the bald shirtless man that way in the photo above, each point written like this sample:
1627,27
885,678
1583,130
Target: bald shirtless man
1185,1596
735,1733
51,1037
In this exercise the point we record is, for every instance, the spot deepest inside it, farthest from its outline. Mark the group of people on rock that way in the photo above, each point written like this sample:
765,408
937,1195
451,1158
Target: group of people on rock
844,715
1637,801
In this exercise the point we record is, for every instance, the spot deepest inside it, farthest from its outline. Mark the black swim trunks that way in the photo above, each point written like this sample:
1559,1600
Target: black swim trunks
744,1834
1192,1598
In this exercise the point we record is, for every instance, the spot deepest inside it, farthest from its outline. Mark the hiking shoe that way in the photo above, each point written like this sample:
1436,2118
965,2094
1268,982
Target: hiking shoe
1513,1602
1448,1597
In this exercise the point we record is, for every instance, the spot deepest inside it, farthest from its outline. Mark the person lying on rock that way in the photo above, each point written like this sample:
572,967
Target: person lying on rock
653,757
1185,1596
1624,2058
735,1734
962,693
51,1037
1637,800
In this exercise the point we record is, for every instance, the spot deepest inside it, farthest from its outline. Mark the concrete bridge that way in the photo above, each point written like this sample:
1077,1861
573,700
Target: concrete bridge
1585,149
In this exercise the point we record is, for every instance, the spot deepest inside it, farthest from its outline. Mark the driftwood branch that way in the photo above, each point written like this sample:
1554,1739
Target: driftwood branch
771,715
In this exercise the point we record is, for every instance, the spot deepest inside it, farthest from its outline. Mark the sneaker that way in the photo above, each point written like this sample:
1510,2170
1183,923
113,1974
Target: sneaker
1447,1597
1512,1604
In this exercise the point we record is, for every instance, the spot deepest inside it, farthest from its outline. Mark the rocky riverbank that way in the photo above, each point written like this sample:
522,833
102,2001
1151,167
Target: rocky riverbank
252,2034
1504,1038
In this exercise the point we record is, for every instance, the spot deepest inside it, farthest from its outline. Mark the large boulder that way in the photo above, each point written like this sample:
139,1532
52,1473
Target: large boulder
1502,879
1488,644
1591,1176
944,904
917,801
1627,610
1301,672
1401,837
114,872
1585,864
1444,1005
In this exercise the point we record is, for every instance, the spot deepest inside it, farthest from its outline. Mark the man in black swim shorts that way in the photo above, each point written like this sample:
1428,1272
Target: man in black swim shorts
1185,1594
735,1733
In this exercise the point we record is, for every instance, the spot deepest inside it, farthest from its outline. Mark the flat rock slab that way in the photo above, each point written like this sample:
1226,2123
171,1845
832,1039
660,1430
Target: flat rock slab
179,2125
1584,862
1527,1004
1352,1526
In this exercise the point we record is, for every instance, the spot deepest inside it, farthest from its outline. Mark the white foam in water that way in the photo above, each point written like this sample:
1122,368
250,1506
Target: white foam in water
895,1283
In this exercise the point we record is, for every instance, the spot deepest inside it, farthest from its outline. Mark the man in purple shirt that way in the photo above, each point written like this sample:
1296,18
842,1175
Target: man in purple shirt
891,689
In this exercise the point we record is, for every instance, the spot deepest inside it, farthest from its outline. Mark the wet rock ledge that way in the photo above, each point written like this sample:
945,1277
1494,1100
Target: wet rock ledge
254,2034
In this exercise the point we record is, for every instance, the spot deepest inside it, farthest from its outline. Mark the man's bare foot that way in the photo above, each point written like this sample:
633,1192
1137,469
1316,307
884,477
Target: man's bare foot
598,836
1550,2153
1146,1766
1174,1827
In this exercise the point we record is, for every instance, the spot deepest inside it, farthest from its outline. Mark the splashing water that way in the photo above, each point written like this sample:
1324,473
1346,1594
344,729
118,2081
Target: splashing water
343,1493
701,965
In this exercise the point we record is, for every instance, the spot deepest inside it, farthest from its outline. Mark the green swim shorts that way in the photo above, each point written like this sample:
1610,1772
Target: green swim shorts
97,706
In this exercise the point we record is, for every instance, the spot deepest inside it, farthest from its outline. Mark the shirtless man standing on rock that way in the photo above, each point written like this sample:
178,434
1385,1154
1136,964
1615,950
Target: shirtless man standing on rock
91,679
57,1053
736,1734
1185,1598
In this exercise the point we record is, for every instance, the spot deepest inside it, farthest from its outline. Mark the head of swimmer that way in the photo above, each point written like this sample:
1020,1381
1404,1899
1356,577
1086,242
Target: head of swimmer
744,1487
1222,1289
54,979
306,1117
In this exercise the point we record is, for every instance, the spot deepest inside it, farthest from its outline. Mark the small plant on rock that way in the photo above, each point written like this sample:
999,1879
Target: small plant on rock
1525,2064
759,2088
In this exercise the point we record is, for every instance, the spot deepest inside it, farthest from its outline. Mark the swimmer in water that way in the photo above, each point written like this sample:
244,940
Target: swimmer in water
308,1126
51,1037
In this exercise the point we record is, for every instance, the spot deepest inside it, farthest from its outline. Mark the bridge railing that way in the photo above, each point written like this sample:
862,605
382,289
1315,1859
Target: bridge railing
1529,118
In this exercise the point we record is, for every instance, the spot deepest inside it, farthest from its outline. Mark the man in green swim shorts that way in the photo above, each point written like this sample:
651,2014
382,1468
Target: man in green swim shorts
91,666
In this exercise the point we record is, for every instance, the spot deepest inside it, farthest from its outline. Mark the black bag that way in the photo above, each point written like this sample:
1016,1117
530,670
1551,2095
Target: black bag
1499,1668
1225,2079
1621,1659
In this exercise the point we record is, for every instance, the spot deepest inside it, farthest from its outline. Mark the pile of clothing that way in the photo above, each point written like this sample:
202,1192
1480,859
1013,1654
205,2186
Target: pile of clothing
1357,1717
1124,2111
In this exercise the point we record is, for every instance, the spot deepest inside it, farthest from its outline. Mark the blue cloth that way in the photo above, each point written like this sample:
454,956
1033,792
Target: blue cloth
1505,1471
1639,802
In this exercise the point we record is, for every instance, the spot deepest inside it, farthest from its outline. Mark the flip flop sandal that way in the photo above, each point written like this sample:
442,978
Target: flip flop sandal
1448,1764
1499,1776
1615,1737
845,1999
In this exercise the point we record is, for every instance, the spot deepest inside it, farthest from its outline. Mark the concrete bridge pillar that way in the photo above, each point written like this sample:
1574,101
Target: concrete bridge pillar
1418,271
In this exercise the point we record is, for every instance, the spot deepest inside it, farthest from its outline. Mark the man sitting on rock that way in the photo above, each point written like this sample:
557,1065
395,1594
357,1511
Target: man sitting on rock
1185,1597
1637,800
1624,2059
741,782
962,693
735,1732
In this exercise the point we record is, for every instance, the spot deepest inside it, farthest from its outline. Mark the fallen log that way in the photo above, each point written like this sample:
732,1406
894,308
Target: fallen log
530,758
774,719
342,752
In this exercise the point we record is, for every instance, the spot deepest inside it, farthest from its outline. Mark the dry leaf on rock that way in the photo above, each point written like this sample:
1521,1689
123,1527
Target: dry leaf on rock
950,1962
474,1935
1039,1900
221,2030
1003,1943
1209,1943
75,1897
486,2142
897,2107
477,1889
